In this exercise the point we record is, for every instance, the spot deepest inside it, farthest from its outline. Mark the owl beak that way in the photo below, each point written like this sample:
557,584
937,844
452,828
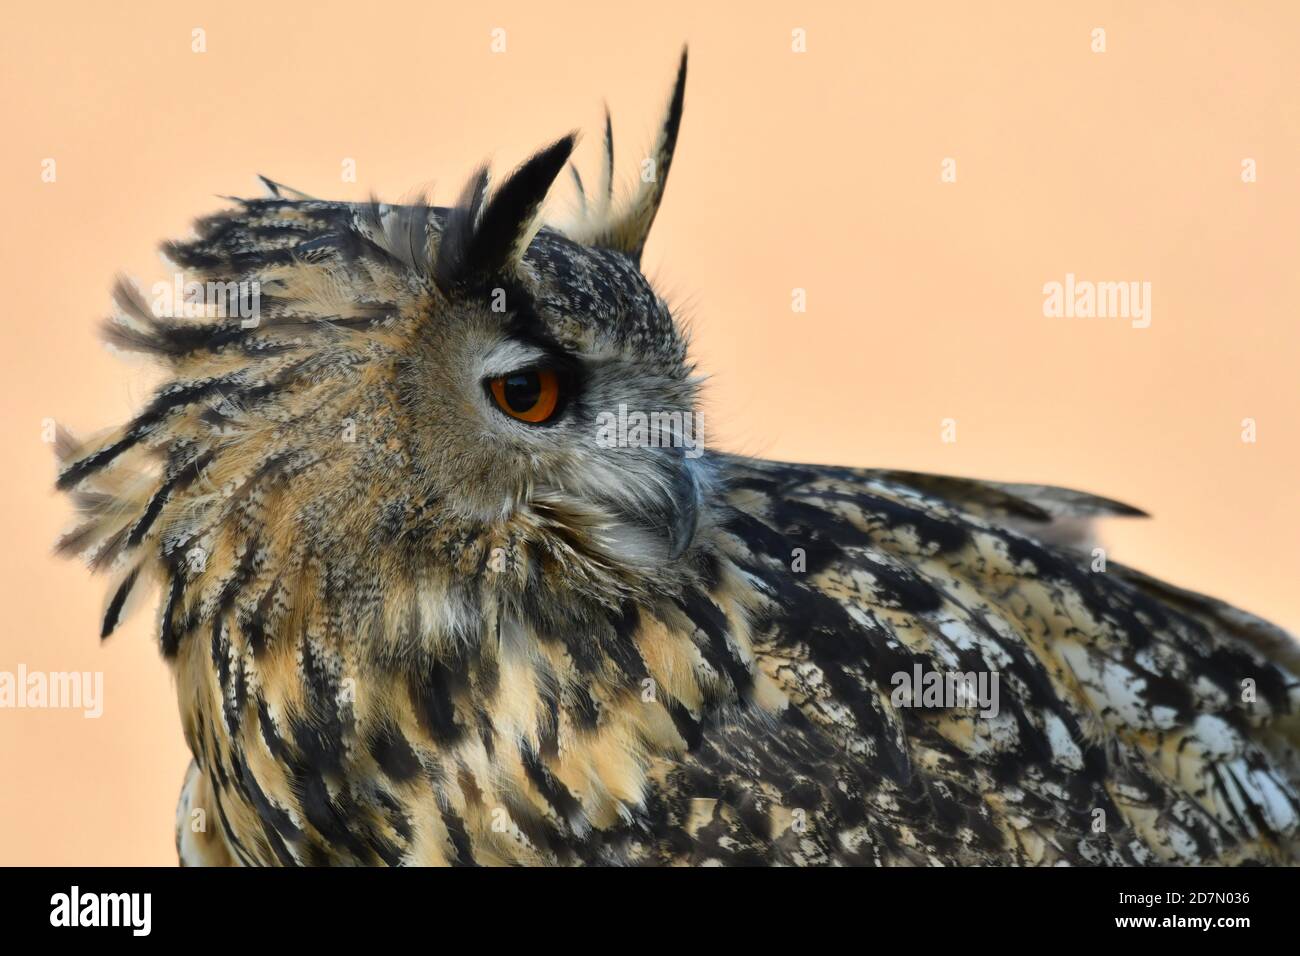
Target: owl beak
663,525
684,510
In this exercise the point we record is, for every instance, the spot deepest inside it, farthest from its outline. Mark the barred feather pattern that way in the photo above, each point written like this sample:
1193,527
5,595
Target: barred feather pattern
398,639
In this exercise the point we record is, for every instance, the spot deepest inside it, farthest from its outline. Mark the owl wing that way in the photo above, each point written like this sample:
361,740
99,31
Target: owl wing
1132,723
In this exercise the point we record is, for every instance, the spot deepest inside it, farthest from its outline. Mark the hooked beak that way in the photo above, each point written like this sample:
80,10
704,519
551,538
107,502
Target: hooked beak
672,516
683,516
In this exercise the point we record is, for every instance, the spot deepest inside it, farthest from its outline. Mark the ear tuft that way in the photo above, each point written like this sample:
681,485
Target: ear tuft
483,237
628,229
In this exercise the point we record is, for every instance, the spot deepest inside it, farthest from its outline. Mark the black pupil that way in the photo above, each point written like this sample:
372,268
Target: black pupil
522,389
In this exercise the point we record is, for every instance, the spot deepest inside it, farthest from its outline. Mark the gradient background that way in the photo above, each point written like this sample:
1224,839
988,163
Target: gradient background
818,170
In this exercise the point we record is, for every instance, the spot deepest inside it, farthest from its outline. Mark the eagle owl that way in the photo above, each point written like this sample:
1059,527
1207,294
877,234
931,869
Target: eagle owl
419,612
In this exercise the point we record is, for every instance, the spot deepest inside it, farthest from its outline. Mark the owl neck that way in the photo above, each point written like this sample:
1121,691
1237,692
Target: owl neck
535,717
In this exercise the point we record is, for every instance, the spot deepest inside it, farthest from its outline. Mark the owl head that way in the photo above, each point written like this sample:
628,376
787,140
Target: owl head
378,402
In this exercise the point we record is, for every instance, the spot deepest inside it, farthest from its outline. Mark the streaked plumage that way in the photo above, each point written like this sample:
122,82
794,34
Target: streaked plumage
407,629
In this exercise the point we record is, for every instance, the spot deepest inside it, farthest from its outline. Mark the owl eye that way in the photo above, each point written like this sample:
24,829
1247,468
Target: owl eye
530,395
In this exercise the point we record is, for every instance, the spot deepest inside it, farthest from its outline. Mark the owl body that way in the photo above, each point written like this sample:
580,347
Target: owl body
419,614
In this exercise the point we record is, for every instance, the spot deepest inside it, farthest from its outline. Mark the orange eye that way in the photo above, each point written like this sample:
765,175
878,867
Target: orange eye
529,396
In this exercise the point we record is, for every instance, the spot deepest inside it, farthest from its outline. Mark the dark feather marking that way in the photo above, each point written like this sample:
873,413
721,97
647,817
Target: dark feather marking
325,817
277,825
460,841
944,535
274,744
553,791
170,636
577,185
431,696
220,659
608,154
184,476
114,612
255,625
236,845
392,752
319,734
170,399
690,729
710,619
395,815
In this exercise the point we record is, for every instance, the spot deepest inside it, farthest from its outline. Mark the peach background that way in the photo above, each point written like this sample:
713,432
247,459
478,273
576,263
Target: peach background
818,170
